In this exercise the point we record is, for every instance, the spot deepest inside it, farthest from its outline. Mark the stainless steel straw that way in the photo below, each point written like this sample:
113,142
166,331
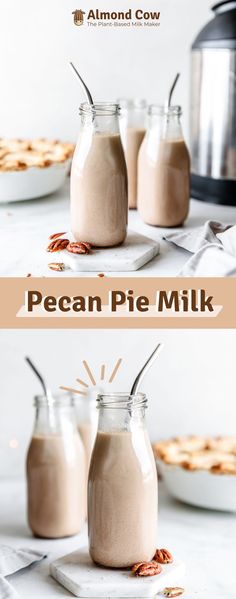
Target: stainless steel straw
172,89
152,358
46,391
85,88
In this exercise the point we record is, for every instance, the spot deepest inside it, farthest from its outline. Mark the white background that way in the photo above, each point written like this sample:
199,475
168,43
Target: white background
191,388
39,95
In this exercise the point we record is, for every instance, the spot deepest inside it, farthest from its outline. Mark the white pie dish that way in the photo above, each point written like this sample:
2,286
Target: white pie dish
33,182
200,488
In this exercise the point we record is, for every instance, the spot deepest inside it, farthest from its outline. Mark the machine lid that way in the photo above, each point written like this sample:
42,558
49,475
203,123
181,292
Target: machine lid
221,31
224,5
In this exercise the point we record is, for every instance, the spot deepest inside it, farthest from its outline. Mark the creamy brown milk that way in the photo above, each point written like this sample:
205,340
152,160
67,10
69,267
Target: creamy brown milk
164,183
56,486
132,143
99,198
122,499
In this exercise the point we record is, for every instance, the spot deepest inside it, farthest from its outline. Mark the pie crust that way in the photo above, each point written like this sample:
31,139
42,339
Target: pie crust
213,454
19,154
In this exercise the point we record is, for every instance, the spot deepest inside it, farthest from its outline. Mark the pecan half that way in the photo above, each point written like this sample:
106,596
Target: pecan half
56,235
162,556
173,591
87,245
57,245
79,247
146,569
58,266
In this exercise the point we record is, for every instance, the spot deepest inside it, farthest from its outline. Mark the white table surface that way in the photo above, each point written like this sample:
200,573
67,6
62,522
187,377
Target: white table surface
26,226
203,539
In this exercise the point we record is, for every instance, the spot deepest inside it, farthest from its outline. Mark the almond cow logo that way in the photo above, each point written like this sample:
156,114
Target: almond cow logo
78,16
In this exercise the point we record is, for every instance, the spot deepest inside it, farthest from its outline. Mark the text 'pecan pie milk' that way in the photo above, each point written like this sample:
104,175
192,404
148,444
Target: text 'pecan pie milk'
56,471
122,489
99,196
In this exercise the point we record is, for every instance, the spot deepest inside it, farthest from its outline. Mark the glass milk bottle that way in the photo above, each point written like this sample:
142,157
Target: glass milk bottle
132,128
56,470
122,488
164,170
99,197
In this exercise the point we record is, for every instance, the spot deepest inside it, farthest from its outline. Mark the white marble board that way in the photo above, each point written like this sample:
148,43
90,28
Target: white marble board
79,575
136,251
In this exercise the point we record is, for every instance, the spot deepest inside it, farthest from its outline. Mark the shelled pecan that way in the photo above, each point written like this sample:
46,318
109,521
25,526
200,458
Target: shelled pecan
58,266
57,245
146,569
163,556
173,591
79,247
56,235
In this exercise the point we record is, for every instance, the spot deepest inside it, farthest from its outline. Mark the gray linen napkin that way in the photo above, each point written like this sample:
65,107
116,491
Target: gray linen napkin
12,560
213,247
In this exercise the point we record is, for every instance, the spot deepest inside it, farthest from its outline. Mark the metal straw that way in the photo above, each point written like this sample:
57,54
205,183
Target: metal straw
46,391
85,88
172,89
145,368
168,104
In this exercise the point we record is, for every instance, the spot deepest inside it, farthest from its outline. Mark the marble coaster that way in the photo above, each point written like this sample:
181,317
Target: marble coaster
136,251
79,575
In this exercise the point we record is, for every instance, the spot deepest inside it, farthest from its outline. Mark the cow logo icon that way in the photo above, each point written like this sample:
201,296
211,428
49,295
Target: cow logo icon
78,17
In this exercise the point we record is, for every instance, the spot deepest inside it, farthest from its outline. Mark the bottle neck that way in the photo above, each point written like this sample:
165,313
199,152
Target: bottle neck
133,114
101,118
54,418
121,413
166,122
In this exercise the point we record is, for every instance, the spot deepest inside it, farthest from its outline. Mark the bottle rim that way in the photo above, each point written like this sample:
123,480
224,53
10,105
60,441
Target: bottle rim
99,109
64,399
160,110
121,401
132,104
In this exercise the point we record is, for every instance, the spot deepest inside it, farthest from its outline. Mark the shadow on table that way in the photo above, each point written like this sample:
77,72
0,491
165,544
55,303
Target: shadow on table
15,530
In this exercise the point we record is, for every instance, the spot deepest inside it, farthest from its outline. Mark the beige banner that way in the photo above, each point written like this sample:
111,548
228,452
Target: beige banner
117,303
